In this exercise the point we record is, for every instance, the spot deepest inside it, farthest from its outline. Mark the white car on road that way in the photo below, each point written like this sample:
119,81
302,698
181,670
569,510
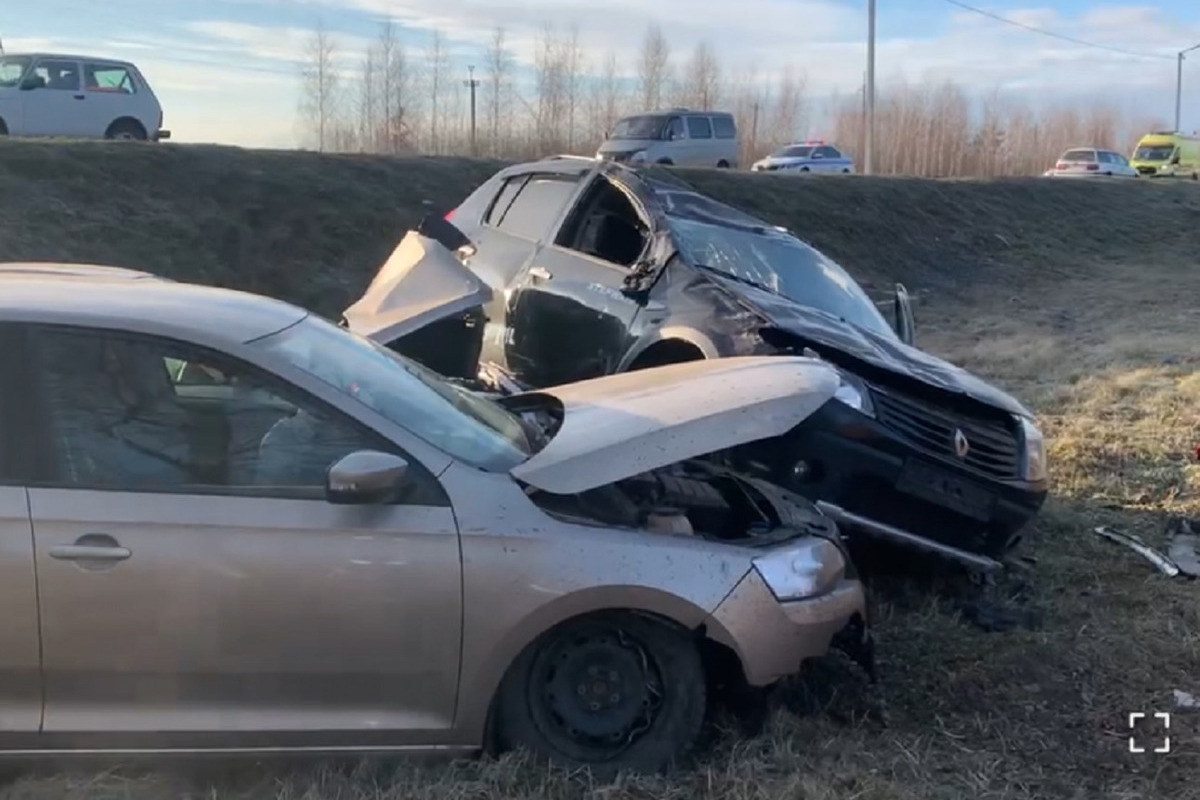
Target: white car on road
1090,162
44,94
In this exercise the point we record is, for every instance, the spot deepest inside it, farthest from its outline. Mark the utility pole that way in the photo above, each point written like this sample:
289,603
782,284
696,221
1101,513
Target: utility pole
869,155
472,83
1179,82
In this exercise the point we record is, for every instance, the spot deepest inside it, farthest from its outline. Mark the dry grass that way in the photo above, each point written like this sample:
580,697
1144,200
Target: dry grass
1097,337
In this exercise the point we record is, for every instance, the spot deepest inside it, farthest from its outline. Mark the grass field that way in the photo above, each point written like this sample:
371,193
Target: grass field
1081,298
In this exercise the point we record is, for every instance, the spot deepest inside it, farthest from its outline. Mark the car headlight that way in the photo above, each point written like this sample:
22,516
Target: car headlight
638,157
806,570
1033,467
853,392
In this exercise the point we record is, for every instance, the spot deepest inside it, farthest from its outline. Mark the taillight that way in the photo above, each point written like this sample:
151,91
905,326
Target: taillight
1060,165
1093,167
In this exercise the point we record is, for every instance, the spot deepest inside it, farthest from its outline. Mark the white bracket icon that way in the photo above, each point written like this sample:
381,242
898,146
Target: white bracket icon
1134,716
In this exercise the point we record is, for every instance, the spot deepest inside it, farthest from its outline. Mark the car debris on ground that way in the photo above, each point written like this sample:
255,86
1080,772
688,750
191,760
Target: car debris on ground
1180,557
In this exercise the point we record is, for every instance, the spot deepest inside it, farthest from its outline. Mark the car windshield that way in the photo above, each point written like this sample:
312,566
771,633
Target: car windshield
12,68
793,151
1157,152
644,127
779,262
462,424
1079,155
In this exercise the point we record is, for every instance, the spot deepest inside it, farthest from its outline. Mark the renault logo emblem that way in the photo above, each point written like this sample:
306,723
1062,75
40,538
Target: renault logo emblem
961,445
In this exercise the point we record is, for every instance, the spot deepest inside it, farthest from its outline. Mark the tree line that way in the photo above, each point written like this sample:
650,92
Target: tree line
402,100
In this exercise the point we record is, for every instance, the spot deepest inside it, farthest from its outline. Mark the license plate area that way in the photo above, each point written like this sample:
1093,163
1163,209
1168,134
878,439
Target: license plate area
945,489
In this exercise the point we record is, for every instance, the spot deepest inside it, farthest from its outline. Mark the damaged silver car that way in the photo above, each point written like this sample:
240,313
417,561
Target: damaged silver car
566,269
232,526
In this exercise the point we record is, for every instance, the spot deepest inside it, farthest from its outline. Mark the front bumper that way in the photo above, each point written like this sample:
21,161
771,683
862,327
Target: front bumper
772,638
162,135
855,463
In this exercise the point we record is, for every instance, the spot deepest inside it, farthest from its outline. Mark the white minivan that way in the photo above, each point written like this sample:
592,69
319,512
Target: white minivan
677,137
44,94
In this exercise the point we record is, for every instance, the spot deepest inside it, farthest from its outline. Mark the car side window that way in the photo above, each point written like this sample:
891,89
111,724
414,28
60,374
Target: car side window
699,128
108,78
56,74
503,199
146,414
724,128
828,152
674,129
537,206
1102,157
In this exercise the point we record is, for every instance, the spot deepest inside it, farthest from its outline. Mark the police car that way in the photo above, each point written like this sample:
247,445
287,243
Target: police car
809,156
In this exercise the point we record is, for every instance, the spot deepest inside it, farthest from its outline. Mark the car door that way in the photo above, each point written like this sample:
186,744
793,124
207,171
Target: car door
193,580
571,320
58,107
522,218
20,660
112,92
701,152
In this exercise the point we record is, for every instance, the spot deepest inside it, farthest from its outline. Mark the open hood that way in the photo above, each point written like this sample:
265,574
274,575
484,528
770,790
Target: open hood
421,282
622,425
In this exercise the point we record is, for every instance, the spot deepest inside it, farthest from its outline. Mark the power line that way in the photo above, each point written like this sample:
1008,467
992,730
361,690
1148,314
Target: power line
1054,35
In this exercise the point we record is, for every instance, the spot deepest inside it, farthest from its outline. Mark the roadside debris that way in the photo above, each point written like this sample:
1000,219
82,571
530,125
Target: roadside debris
1182,542
1164,564
1185,701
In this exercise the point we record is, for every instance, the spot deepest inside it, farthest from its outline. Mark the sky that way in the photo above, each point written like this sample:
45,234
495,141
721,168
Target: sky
228,71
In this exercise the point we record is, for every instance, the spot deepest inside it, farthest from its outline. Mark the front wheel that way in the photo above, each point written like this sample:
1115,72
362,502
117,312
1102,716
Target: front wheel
722,164
611,692
126,130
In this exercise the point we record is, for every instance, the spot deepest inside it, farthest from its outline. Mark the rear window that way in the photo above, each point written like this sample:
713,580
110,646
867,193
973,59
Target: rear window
536,207
1079,155
699,128
724,128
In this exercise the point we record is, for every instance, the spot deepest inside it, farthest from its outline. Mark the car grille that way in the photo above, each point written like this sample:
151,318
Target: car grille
994,448
1147,170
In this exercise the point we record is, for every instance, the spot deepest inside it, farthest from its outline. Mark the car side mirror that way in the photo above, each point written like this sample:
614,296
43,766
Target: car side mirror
32,82
366,477
1175,158
902,307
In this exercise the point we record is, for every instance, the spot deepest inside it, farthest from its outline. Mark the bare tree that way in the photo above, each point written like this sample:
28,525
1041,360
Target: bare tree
498,68
573,67
550,80
702,78
788,107
319,93
654,67
437,65
368,106
605,99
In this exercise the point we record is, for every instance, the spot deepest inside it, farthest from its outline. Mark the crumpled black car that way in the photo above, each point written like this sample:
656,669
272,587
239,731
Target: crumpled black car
571,268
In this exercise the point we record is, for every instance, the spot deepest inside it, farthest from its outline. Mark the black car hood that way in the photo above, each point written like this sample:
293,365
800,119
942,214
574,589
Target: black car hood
822,331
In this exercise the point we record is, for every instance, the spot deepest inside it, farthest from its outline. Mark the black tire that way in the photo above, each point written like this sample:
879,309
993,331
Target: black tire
654,717
666,162
805,169
3,127
722,164
126,130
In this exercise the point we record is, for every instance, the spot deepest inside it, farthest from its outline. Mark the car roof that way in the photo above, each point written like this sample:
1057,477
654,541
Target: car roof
70,57
110,297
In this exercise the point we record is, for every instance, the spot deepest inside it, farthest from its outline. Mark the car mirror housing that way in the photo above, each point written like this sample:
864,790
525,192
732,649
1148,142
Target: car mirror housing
366,477
32,82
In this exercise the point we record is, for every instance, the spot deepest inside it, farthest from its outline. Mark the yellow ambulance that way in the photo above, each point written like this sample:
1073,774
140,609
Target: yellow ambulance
1167,154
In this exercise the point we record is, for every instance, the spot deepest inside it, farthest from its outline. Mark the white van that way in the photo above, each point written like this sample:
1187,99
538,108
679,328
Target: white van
679,137
45,94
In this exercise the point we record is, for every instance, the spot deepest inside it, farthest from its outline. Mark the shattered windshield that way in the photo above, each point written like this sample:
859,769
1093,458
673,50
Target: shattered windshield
780,263
793,151
12,68
648,126
458,422
1158,152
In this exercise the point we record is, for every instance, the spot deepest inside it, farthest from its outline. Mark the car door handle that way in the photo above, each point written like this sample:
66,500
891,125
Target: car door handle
541,273
89,552
80,96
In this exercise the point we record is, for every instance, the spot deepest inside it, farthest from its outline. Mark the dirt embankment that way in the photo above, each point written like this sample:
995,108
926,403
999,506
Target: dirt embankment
312,228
